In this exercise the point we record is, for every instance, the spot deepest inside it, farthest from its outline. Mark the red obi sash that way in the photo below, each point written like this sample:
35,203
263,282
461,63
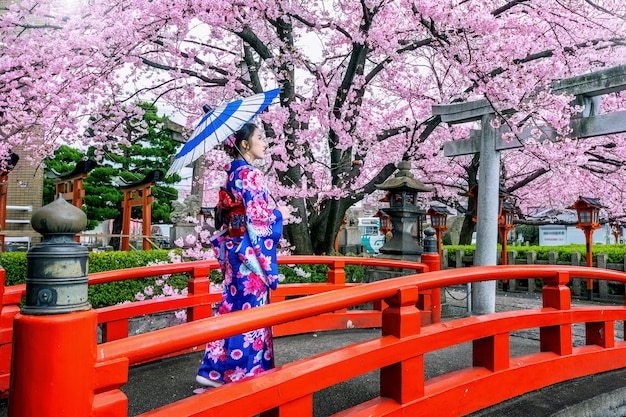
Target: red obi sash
230,212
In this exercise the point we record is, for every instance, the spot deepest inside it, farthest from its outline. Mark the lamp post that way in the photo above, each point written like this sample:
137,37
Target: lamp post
385,222
588,211
438,221
616,230
505,225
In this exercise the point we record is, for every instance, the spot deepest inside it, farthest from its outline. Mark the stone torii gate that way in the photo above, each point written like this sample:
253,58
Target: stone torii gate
488,141
70,184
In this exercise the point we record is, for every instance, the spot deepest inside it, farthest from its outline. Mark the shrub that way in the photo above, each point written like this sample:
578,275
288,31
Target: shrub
102,295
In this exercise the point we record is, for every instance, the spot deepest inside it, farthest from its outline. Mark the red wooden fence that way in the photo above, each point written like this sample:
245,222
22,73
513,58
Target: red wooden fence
399,353
114,320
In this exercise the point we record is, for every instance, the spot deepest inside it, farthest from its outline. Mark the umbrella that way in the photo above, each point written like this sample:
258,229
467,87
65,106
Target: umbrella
217,124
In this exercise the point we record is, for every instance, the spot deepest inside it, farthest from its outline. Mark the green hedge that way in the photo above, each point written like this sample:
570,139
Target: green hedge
103,295
615,253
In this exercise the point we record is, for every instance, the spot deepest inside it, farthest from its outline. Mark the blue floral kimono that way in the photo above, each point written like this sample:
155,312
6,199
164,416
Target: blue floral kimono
246,252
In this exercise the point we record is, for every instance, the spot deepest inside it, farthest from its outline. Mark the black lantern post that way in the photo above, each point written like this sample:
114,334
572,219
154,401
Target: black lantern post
588,210
438,221
403,211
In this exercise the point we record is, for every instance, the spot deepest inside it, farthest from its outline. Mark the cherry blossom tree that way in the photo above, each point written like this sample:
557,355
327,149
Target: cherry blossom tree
358,80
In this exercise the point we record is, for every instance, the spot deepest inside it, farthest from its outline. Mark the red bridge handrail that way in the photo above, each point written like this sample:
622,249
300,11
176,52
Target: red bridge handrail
199,300
493,377
288,390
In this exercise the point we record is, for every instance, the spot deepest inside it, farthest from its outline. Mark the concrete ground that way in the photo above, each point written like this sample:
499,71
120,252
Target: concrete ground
601,395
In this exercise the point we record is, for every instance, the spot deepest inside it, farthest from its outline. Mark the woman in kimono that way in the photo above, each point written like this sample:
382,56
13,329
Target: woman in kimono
246,252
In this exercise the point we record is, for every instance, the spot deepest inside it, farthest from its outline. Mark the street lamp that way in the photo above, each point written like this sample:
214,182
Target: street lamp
505,225
473,193
588,210
438,219
616,230
385,222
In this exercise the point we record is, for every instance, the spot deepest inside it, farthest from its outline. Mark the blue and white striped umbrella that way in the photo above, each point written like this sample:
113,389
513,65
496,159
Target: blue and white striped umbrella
220,123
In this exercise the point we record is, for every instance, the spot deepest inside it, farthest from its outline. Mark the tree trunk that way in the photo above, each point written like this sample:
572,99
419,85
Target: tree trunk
298,233
465,237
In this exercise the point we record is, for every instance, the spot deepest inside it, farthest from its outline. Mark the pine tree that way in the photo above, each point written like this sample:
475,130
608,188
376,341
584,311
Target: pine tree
148,146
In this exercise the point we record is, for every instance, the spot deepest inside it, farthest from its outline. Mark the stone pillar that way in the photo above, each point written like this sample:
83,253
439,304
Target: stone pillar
511,261
576,259
603,285
458,260
484,293
531,258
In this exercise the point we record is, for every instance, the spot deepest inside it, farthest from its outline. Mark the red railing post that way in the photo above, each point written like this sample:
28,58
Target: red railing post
336,272
54,336
7,314
53,365
556,294
492,352
600,333
114,330
197,284
402,381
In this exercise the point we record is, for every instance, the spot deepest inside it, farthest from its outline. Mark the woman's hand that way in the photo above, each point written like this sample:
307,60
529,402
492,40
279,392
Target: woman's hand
285,211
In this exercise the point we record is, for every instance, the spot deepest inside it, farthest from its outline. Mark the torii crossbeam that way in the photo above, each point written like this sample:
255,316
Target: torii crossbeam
587,90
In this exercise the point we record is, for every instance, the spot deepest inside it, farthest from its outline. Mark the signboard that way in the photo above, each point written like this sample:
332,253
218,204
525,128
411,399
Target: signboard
552,235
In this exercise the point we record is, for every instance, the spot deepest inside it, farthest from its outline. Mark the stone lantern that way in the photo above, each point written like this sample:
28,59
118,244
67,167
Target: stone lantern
403,212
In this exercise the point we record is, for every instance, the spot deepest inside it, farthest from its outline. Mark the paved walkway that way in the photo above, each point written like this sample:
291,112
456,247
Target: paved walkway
173,379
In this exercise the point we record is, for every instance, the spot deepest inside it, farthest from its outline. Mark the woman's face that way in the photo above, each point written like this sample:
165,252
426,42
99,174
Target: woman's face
255,147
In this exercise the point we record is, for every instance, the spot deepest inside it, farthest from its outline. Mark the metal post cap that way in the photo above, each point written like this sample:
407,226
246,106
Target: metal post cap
56,277
430,241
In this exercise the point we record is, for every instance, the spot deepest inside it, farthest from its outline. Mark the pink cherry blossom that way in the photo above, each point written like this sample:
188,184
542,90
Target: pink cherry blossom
358,85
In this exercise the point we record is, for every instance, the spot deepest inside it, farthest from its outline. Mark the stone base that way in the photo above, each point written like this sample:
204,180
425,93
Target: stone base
181,231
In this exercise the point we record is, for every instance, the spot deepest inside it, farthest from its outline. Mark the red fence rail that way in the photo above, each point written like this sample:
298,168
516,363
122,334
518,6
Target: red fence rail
198,302
399,353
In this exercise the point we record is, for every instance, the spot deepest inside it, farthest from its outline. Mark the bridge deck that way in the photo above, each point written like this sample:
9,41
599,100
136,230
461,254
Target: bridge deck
169,380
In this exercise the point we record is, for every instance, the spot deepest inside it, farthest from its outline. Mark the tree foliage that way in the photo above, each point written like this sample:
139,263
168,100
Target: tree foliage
148,149
358,81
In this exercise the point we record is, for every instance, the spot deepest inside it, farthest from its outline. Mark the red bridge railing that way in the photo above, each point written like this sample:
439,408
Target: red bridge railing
198,302
399,353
